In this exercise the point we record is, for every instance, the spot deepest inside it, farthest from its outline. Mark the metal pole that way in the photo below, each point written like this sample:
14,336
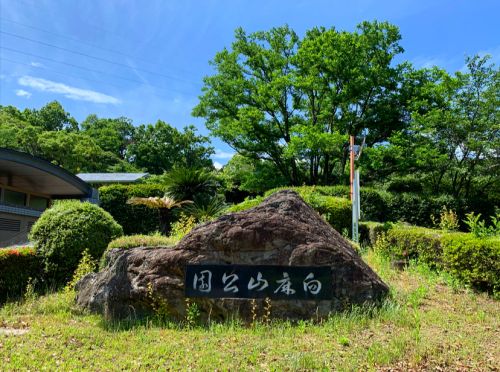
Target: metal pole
355,209
351,178
358,198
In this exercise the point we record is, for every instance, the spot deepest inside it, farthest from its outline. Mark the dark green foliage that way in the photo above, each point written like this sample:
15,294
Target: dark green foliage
475,261
417,209
337,211
373,201
205,210
161,147
17,266
405,184
135,219
65,230
190,184
199,186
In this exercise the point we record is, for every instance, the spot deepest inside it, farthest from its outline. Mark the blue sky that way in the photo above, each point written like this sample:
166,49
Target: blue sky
146,59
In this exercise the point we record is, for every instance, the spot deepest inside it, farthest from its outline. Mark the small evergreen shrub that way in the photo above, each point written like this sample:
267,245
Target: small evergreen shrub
17,267
135,219
448,220
86,266
478,227
65,230
183,226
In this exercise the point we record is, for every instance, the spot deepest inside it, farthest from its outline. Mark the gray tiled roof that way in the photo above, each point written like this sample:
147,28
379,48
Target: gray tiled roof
111,177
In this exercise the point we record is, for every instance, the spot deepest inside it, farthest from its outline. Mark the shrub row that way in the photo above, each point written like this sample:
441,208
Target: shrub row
135,219
474,261
413,208
17,266
337,211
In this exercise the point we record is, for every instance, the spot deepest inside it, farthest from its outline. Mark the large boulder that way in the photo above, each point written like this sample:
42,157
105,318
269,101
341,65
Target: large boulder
283,230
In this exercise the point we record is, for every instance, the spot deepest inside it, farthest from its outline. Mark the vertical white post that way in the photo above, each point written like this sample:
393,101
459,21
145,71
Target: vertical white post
358,198
355,208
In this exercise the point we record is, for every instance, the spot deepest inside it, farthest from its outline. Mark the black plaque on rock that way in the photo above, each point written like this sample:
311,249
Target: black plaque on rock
259,281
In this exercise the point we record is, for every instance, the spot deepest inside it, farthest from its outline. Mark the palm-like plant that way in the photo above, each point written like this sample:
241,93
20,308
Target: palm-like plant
190,183
163,205
206,209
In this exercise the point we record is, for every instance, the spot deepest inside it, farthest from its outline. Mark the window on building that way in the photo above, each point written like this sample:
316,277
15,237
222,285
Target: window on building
38,202
14,197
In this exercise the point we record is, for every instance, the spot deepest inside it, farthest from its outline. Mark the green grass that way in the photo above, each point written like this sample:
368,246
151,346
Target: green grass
133,241
429,322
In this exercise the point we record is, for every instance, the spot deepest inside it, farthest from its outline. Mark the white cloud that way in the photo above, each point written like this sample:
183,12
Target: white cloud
66,90
217,165
494,53
23,93
219,154
36,64
428,62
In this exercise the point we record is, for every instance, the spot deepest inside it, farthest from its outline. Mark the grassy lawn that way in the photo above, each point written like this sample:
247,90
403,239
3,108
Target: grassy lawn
428,323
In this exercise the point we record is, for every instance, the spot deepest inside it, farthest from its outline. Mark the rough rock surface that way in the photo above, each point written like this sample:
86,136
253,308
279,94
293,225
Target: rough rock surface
283,230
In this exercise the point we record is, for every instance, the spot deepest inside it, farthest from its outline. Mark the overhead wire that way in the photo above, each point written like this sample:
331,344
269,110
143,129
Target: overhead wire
58,72
95,58
75,40
94,71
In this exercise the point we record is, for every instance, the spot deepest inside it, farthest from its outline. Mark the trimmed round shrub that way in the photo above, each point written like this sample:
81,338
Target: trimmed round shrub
65,230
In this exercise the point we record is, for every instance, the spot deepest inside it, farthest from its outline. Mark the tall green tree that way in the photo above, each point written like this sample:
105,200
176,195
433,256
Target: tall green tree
453,142
51,117
113,135
294,102
159,148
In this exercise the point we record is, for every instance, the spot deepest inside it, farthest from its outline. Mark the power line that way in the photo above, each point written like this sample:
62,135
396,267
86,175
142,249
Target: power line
94,57
92,70
58,72
73,39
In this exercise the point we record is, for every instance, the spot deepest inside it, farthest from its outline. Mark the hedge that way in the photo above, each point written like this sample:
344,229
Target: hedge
135,219
17,266
417,243
474,261
337,211
369,231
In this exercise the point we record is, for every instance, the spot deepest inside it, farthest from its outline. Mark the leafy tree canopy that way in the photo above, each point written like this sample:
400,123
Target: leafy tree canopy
294,102
161,147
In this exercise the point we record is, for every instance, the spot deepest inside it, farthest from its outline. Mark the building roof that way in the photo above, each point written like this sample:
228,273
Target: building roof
112,177
30,173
